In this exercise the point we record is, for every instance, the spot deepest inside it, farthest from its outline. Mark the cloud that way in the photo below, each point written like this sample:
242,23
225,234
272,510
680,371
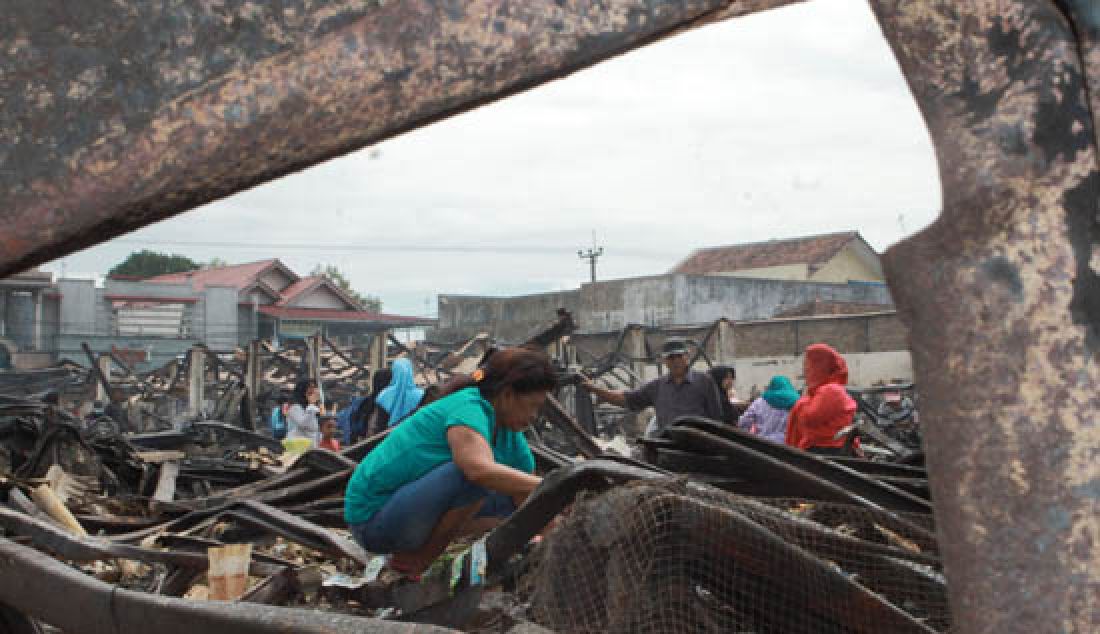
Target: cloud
709,137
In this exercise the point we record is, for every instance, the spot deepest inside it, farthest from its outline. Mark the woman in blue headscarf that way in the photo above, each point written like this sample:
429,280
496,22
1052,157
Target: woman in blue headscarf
767,416
399,399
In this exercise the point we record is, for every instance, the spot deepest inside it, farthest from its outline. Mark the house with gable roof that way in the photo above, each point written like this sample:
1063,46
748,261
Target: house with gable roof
832,257
222,307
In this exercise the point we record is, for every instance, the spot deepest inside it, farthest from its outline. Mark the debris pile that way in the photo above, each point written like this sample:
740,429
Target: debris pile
207,522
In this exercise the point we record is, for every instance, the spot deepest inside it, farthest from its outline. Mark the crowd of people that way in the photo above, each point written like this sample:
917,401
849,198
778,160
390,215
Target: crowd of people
456,461
812,421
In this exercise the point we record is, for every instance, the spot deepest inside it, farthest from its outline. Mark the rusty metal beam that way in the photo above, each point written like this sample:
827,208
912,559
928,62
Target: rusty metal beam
1002,301
123,113
119,114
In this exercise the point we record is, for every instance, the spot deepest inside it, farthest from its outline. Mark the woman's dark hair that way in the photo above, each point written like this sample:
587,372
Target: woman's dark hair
300,389
720,372
521,369
431,393
380,380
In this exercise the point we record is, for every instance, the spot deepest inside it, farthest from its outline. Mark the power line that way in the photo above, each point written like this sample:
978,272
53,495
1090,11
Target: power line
386,248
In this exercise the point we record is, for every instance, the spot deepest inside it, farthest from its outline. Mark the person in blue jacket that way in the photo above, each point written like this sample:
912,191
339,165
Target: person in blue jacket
278,418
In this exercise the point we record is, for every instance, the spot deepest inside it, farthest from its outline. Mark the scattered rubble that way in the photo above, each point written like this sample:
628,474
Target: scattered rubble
188,522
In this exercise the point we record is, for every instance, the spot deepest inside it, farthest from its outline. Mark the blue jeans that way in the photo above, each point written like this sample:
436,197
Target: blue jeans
407,519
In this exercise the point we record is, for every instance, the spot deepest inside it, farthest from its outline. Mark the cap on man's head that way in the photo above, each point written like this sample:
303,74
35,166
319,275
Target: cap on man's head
673,347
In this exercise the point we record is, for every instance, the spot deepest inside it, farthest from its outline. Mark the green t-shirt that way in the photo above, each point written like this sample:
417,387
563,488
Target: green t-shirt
419,444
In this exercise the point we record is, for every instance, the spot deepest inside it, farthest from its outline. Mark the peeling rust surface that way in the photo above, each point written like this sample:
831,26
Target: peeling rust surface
1003,303
125,113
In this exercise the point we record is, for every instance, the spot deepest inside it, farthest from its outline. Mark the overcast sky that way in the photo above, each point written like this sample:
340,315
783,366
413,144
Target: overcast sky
791,122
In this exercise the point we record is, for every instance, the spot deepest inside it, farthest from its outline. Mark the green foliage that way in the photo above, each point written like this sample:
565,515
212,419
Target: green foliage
146,263
371,303
214,263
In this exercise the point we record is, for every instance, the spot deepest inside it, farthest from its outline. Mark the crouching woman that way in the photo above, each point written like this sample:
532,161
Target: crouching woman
455,467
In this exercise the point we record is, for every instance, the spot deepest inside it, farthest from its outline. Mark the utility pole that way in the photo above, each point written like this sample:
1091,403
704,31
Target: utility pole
591,255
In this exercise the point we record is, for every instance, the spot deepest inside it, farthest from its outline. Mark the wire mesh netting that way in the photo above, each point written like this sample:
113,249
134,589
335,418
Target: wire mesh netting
675,556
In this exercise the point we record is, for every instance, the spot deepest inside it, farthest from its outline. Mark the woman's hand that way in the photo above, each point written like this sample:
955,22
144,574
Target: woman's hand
475,459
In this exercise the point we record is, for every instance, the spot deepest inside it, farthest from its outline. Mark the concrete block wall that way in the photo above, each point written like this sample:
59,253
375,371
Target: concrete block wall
705,298
220,317
656,301
509,319
864,370
78,306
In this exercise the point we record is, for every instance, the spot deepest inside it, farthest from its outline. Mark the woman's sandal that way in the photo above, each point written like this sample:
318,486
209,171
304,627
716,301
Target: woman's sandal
390,576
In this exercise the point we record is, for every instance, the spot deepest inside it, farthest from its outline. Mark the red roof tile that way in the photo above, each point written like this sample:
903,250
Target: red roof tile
239,276
323,314
810,250
303,285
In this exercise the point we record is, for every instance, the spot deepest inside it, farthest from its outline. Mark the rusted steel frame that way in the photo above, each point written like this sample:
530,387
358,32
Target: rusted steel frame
701,348
177,582
851,480
301,481
268,108
556,414
309,490
239,434
218,365
871,429
548,459
274,590
835,543
67,546
327,462
804,484
129,370
277,356
116,523
556,491
96,373
359,450
1085,21
13,621
296,529
192,543
561,327
1002,302
876,469
293,477
359,369
56,594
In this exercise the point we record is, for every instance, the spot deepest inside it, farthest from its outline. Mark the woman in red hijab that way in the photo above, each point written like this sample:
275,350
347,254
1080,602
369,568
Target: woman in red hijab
825,408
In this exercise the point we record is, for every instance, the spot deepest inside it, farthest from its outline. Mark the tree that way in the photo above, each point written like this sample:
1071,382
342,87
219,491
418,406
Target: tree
215,263
145,263
372,303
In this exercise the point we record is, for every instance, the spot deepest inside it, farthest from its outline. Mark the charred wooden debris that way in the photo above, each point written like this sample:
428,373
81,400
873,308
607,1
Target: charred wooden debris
705,528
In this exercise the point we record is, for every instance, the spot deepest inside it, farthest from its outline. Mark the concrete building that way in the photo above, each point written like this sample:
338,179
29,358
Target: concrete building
823,272
149,322
28,319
